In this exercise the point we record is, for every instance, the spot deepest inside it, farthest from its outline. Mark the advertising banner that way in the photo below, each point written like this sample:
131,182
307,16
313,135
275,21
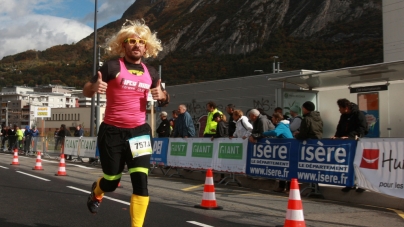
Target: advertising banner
71,145
231,155
221,154
270,158
88,147
160,148
379,164
325,161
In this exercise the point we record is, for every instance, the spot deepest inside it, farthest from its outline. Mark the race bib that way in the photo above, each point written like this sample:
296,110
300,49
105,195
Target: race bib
140,146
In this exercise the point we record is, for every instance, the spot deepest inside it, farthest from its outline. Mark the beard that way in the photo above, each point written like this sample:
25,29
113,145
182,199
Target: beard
132,56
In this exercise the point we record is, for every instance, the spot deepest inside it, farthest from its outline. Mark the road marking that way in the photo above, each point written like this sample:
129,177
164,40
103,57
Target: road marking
33,176
105,197
199,224
3,167
399,212
193,187
49,161
84,167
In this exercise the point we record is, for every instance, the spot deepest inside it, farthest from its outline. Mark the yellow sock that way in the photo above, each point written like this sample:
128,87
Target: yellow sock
138,208
97,191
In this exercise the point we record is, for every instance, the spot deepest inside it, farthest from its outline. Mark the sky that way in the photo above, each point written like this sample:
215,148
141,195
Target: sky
40,24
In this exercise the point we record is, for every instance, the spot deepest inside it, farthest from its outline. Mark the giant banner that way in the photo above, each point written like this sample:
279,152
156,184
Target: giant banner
80,146
379,165
221,154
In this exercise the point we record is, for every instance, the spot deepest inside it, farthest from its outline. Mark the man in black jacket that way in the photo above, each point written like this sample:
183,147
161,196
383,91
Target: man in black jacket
231,123
164,128
352,125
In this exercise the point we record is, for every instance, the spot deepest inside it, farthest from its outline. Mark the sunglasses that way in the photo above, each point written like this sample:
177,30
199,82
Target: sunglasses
132,41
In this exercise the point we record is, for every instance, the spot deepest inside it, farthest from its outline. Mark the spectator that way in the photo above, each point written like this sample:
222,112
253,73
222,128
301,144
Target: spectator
260,124
311,126
164,128
352,125
184,126
231,123
222,127
35,134
174,115
280,110
12,138
19,135
295,119
57,138
243,126
282,130
79,132
210,128
63,132
27,140
4,136
262,112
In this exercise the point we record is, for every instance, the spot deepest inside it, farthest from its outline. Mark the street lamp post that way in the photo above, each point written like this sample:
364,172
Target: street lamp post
7,113
274,66
94,70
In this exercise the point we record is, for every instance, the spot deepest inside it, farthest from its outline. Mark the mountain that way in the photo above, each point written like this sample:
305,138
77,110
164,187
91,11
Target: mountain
216,39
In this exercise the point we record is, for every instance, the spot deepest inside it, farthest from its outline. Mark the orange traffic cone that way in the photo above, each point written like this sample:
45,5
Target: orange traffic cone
15,158
119,185
38,163
62,166
208,197
294,214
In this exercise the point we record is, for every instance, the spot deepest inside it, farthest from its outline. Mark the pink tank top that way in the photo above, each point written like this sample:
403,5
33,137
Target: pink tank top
127,98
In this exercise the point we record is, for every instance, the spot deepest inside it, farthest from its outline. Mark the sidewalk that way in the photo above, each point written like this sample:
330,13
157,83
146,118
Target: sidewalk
330,192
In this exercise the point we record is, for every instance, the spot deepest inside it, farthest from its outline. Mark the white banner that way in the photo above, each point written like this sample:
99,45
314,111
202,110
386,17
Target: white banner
379,165
87,147
221,154
71,145
83,147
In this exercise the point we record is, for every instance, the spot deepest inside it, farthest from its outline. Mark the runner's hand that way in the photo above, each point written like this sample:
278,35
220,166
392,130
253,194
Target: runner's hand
157,93
99,86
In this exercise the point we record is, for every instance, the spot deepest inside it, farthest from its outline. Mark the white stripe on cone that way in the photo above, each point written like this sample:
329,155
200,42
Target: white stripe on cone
38,164
294,215
208,196
209,181
62,169
294,194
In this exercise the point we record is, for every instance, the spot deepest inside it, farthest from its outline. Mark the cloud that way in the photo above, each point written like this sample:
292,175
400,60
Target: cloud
22,28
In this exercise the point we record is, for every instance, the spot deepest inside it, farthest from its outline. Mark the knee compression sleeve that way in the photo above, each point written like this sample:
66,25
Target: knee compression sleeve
139,180
109,183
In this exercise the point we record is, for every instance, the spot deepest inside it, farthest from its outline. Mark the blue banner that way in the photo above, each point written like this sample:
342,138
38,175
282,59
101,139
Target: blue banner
160,148
325,161
270,158
319,161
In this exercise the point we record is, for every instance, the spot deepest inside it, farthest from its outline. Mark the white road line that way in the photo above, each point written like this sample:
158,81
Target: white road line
3,167
199,224
33,176
84,167
44,160
105,197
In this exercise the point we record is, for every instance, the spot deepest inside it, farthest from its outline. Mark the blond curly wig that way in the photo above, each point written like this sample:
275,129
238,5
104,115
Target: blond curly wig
138,28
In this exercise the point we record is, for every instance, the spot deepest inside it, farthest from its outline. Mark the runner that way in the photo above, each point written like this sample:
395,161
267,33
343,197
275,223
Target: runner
124,136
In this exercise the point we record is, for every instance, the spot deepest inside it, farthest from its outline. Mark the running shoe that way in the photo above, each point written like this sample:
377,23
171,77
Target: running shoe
93,203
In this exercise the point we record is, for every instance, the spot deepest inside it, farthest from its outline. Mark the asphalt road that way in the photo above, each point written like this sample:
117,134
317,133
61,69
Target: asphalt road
41,199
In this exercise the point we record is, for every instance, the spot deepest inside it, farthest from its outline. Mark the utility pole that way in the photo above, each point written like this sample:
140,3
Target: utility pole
94,70
274,64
